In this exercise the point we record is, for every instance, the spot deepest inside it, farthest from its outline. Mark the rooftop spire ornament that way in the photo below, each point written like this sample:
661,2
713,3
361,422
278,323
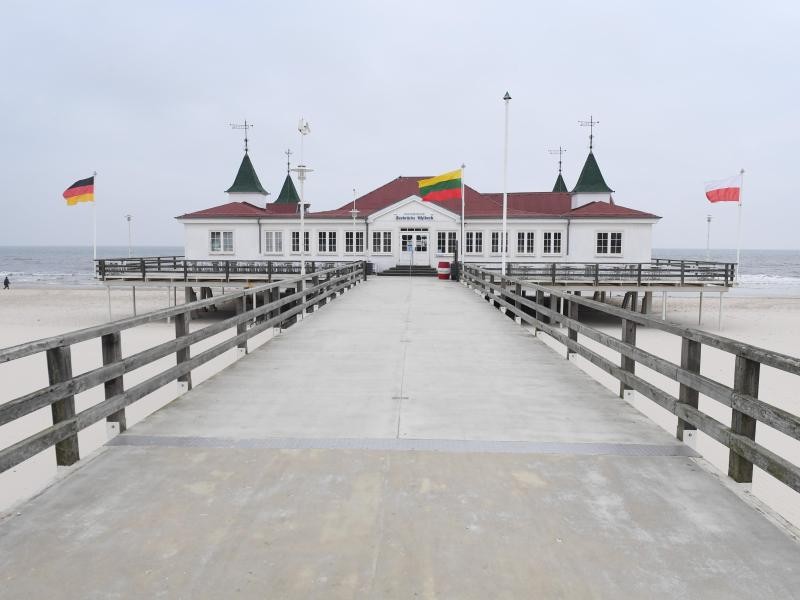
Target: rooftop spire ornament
590,124
244,126
301,170
288,154
560,153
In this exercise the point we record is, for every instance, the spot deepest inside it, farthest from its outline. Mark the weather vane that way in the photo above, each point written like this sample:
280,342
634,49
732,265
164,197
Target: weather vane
244,126
560,153
590,124
288,154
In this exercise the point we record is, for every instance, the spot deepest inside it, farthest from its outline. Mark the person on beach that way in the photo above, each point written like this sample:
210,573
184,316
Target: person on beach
6,283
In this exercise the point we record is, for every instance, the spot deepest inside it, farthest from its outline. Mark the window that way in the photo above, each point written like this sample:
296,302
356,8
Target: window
609,242
326,241
478,242
446,242
526,242
496,242
552,242
273,242
221,241
348,241
441,242
470,242
382,242
360,242
296,241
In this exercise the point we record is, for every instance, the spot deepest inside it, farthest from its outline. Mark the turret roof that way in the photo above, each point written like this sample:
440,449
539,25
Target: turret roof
246,179
591,179
288,194
560,186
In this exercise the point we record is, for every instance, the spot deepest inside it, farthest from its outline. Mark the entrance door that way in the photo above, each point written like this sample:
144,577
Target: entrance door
420,256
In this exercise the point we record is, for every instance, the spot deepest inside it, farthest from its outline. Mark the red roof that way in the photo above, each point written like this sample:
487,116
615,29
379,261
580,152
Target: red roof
478,205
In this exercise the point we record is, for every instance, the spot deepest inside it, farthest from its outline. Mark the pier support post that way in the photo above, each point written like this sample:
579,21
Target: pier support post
59,368
182,355
745,381
112,353
626,363
700,310
690,361
540,301
241,327
647,302
664,306
133,298
571,311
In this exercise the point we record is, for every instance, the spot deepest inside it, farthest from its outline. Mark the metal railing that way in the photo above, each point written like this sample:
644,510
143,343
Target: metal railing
533,304
301,295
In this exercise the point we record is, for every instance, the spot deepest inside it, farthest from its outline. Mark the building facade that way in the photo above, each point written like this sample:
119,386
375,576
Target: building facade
392,225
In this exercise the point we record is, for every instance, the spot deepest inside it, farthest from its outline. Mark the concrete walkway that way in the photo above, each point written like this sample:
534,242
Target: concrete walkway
405,441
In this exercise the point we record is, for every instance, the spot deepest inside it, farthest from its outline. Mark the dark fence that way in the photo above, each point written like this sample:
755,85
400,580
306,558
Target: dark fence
302,295
179,268
657,272
534,304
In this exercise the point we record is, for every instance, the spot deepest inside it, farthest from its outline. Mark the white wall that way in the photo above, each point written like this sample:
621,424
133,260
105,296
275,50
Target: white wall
636,240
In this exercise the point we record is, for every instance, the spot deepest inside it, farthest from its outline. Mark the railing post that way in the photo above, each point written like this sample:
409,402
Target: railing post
572,313
185,270
540,301
517,303
182,355
745,381
59,368
143,268
597,273
269,271
158,264
690,361
101,269
683,272
553,273
626,363
241,326
639,274
112,353
227,271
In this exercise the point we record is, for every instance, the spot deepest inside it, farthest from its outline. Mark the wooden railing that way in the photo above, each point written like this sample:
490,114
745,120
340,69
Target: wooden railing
310,290
532,304
179,268
656,272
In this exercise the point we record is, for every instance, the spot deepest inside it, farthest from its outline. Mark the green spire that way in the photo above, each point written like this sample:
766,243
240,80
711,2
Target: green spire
288,193
560,186
246,179
591,179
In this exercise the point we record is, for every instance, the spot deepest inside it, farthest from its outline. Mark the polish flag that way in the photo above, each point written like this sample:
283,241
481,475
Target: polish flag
724,190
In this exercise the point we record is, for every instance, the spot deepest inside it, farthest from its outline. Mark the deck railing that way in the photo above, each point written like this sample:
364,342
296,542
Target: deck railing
302,294
533,304
180,268
657,272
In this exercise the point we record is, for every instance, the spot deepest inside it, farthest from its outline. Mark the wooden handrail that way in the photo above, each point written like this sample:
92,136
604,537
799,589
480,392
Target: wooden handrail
63,385
742,397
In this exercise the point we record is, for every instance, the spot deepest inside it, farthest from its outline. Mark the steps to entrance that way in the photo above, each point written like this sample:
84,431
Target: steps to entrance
409,271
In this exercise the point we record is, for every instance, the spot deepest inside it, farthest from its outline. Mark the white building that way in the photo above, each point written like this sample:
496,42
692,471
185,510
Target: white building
393,226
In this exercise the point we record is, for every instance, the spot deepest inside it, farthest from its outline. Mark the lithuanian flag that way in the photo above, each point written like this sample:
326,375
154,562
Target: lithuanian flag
442,187
80,191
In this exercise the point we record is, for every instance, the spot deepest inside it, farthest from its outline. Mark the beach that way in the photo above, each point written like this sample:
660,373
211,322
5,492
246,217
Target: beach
37,312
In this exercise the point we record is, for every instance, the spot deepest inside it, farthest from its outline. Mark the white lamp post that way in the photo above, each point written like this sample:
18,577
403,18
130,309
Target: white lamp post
504,236
128,218
301,170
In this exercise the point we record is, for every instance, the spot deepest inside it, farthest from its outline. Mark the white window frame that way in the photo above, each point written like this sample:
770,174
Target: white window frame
554,235
608,251
473,244
222,235
275,245
384,241
330,243
528,239
359,242
498,235
295,243
350,241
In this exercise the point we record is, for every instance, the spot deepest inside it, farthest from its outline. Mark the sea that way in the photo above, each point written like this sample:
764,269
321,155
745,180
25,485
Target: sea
763,272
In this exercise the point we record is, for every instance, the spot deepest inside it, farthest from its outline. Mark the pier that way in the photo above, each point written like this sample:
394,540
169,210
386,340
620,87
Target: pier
400,438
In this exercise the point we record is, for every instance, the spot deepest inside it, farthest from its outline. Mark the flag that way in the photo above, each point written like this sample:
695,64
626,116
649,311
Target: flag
442,187
80,191
724,190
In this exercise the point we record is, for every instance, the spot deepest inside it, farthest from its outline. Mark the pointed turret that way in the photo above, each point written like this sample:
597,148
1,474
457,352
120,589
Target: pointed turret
288,194
246,181
591,179
560,186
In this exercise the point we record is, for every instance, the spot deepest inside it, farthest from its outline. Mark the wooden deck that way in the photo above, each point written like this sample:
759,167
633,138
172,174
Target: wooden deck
405,441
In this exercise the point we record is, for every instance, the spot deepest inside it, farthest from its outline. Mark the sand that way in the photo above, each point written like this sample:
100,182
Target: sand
27,314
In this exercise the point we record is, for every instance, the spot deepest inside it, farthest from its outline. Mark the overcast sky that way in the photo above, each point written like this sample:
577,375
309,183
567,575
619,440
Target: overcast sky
143,92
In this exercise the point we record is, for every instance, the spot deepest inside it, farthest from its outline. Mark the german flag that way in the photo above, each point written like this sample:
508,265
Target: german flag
442,187
80,191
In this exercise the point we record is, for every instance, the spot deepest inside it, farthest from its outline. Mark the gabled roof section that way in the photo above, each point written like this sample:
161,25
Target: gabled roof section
560,186
246,179
288,194
591,179
231,210
605,209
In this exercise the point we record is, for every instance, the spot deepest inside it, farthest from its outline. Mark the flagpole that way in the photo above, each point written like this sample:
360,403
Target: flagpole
463,246
739,229
94,218
504,236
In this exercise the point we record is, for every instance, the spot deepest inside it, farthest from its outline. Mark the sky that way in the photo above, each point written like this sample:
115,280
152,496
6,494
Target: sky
143,93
